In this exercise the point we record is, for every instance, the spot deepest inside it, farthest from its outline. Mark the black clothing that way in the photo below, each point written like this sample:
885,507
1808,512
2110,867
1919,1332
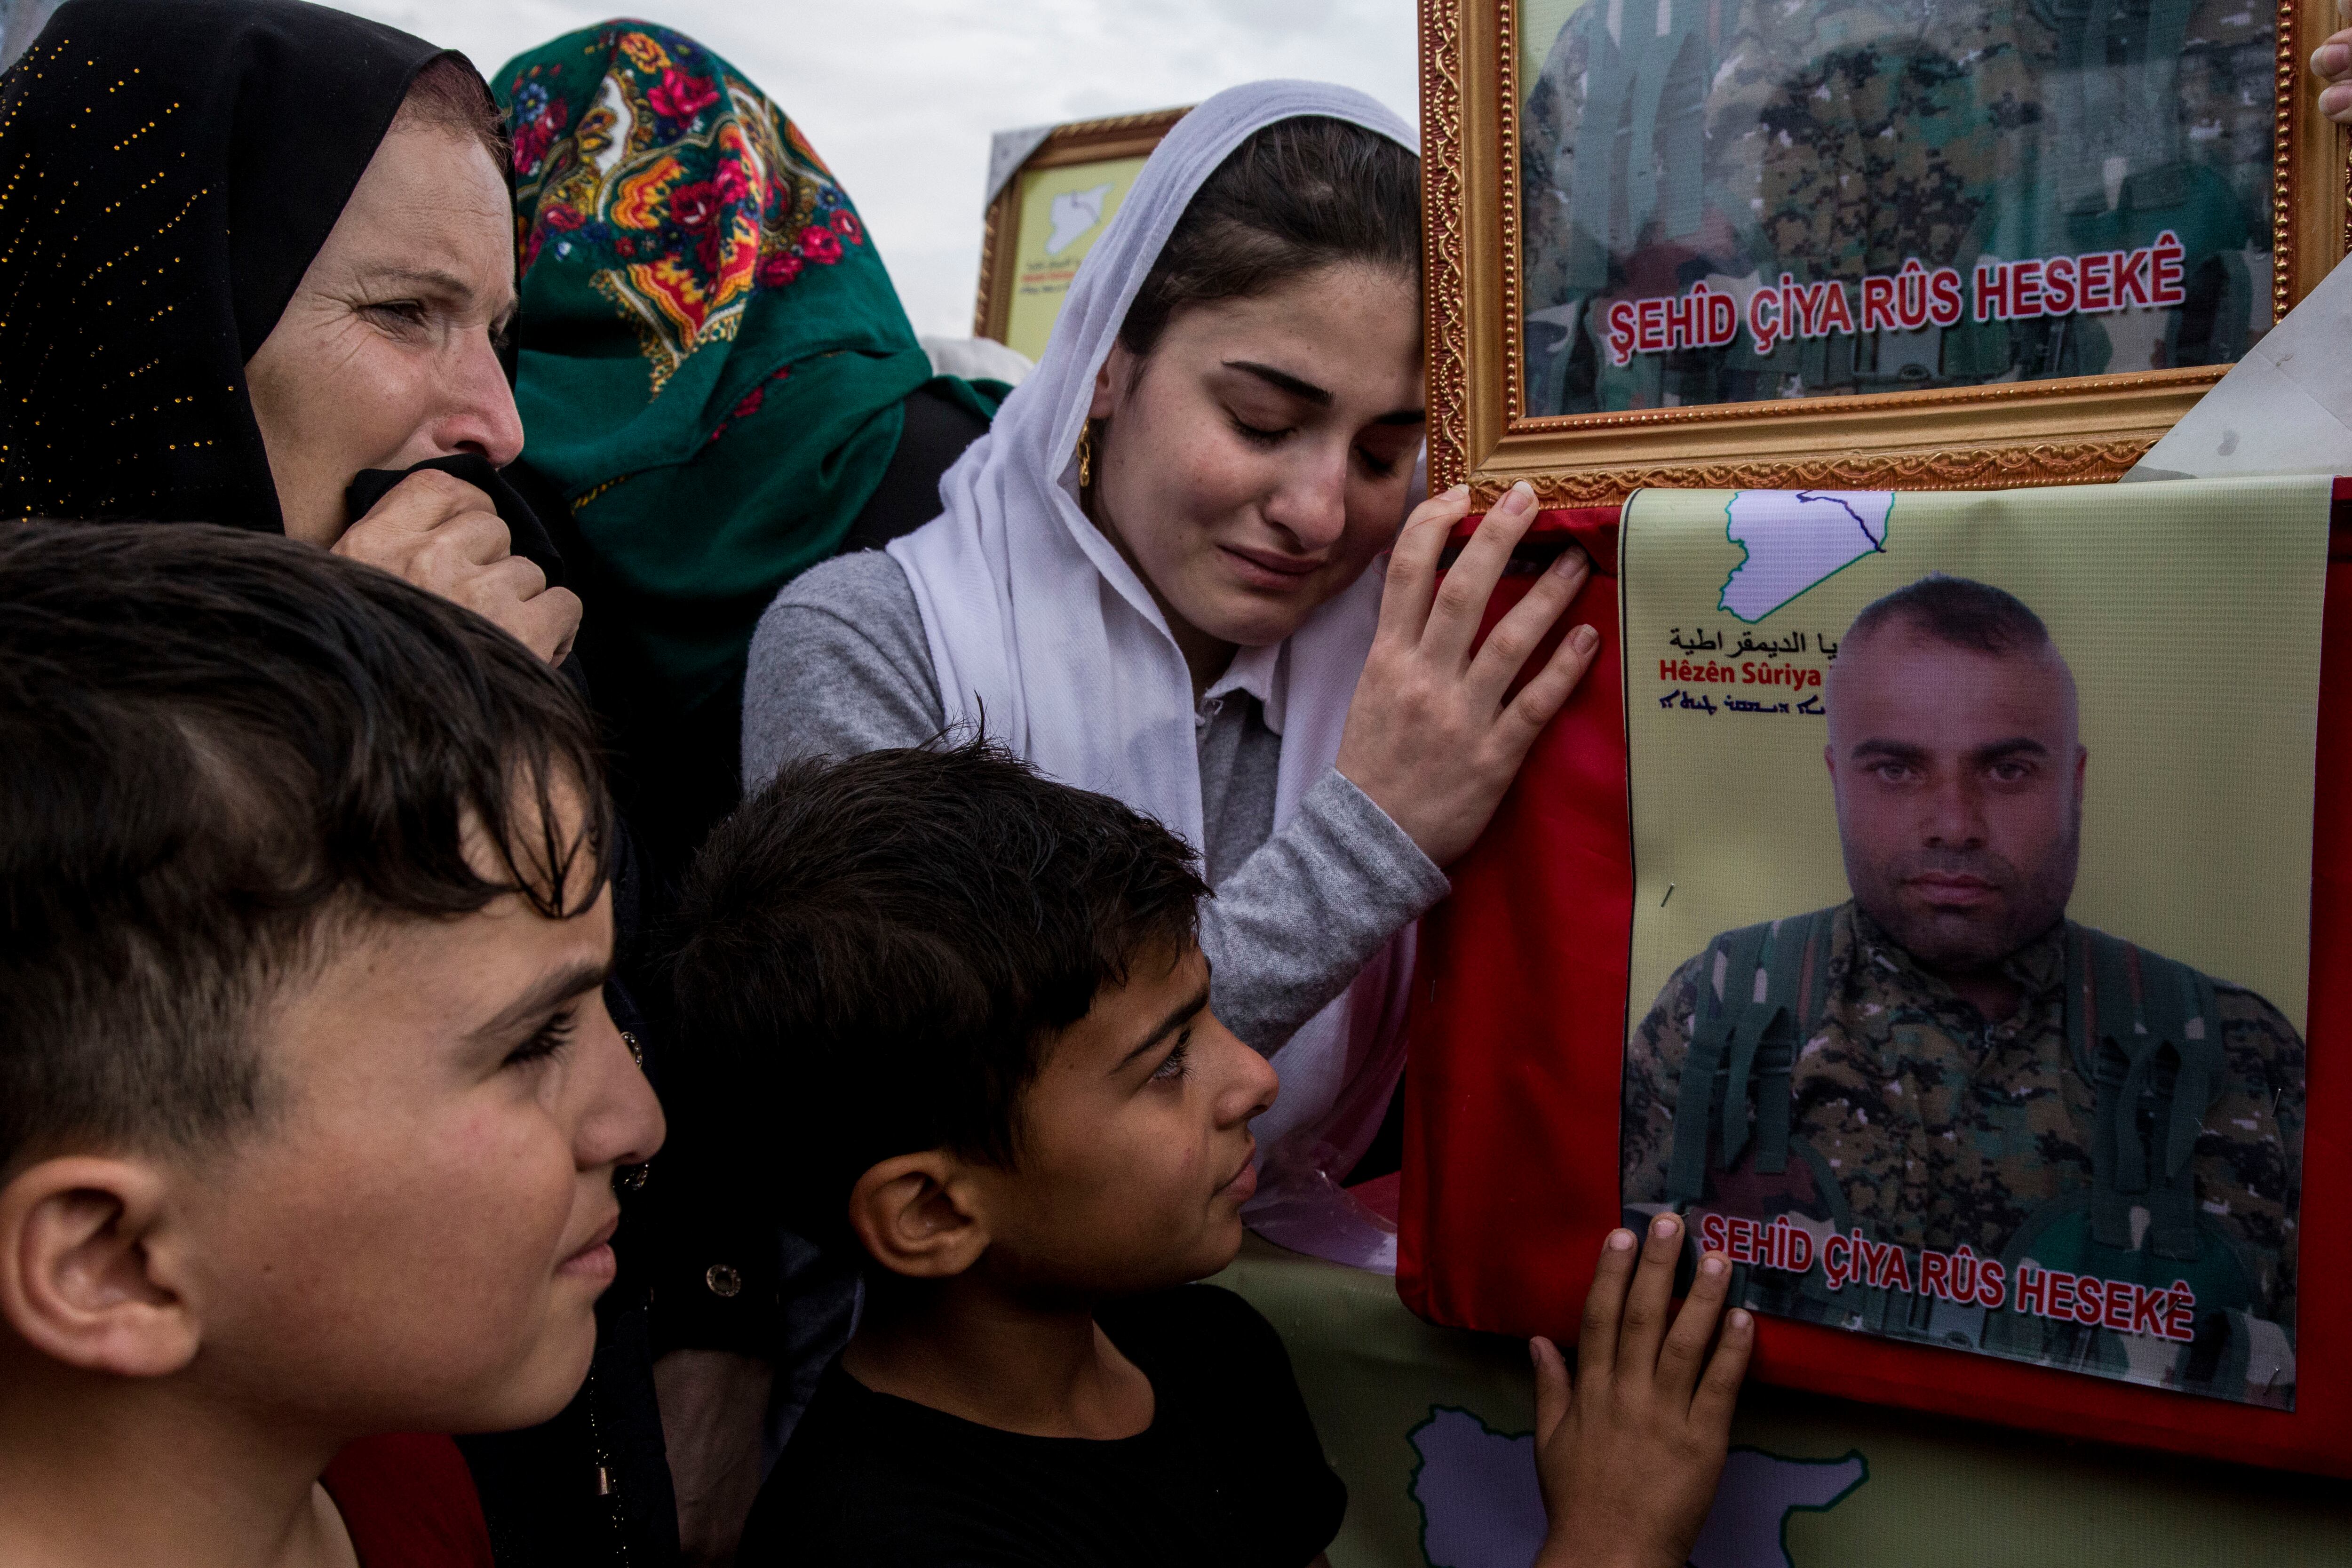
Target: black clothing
1229,1475
1385,1156
526,534
590,1487
935,430
168,168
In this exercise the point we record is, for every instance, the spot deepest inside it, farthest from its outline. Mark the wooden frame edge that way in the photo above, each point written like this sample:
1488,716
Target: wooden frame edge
1445,284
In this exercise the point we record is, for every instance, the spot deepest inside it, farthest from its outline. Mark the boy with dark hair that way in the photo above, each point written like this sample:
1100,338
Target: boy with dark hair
310,1105
979,998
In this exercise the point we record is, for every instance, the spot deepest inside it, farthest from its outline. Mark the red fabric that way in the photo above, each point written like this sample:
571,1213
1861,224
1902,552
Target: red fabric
1511,1106
409,1502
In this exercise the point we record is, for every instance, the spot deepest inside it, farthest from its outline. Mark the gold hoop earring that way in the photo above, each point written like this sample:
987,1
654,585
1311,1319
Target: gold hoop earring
1086,456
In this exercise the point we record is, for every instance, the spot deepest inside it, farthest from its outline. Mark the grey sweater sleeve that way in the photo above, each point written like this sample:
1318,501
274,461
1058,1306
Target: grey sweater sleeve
839,666
1291,927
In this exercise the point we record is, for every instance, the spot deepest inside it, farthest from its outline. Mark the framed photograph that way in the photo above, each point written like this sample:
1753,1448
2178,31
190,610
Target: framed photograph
1855,243
1054,188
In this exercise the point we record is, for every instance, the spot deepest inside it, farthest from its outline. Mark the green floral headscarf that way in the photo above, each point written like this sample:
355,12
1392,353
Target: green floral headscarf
711,355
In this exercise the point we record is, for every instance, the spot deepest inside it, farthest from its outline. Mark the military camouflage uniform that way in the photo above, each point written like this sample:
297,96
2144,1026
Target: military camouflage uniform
1910,1119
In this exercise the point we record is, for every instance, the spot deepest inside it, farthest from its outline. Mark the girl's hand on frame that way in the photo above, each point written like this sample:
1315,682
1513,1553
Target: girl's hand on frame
1435,734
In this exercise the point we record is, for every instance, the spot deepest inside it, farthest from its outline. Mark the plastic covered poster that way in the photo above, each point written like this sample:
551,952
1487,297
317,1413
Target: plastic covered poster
2000,1104
1972,847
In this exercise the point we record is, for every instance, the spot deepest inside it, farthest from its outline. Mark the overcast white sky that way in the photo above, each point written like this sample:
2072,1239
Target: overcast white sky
900,96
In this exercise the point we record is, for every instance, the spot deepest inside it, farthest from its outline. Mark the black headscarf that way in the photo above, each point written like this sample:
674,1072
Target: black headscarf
168,169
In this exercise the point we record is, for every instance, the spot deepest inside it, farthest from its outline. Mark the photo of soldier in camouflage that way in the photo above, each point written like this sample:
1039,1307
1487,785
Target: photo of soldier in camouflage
1943,1112
1738,144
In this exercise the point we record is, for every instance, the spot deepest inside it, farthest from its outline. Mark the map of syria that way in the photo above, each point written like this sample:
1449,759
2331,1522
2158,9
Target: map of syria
1796,540
1481,1506
1073,213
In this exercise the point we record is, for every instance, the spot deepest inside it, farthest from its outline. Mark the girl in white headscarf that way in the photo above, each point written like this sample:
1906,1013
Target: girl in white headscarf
1150,580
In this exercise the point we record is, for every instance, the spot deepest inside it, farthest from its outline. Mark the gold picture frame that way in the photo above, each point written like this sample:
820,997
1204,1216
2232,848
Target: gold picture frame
1113,146
2002,434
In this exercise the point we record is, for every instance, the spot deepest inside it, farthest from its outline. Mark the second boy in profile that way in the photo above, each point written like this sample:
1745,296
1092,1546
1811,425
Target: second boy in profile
969,1008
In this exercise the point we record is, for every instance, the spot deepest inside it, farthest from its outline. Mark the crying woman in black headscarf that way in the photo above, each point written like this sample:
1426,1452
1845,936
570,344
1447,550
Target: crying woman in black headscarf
258,266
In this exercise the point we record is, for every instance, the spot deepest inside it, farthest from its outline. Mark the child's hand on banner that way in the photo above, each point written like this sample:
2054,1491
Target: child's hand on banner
1628,1452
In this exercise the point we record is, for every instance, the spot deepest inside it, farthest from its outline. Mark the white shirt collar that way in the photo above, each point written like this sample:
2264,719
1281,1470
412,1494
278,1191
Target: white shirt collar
1257,671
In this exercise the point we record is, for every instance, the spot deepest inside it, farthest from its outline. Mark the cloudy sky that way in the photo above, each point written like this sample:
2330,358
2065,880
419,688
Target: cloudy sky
900,96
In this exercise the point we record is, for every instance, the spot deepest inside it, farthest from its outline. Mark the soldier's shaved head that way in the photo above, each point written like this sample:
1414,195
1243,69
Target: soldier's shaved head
1955,613
1959,611
1956,756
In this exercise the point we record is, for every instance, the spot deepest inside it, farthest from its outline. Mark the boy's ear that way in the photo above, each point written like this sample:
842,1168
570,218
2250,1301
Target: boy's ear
917,1215
82,1277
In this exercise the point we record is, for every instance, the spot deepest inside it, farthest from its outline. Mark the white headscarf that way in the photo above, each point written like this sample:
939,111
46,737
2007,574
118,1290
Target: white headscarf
1040,628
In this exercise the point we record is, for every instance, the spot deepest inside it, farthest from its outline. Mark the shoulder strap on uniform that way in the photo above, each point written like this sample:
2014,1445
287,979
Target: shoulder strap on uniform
2177,1003
2082,1004
2202,1062
1745,1030
1725,981
1814,989
1796,986
1695,1097
2118,1159
1750,985
2154,1041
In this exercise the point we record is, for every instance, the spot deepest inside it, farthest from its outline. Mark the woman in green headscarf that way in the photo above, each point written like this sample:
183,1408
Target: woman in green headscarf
715,373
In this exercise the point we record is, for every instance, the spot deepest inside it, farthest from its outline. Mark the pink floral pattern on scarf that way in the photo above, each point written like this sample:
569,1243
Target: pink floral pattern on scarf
686,186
